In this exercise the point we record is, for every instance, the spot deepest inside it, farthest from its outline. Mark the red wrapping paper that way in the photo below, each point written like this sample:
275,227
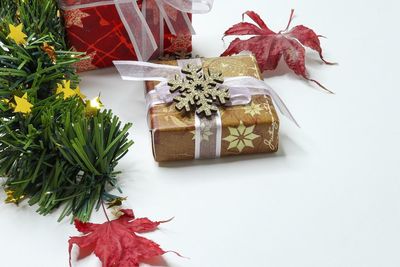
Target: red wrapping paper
99,32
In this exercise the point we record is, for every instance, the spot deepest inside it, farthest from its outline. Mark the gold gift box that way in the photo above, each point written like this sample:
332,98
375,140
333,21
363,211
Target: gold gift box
246,129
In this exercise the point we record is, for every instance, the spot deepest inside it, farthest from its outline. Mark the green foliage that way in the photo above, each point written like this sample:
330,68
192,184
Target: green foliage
28,68
8,11
39,17
57,155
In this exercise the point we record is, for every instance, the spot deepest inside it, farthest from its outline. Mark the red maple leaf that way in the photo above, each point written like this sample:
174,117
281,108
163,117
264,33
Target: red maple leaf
115,242
269,47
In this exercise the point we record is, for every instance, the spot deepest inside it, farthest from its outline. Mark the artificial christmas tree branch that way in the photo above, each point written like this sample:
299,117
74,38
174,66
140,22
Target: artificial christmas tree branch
55,148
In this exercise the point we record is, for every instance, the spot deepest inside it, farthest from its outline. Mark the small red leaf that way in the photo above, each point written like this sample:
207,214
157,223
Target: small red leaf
269,47
115,242
309,38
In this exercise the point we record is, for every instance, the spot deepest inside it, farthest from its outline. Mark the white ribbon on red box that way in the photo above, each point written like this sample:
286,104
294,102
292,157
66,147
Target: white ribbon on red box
137,22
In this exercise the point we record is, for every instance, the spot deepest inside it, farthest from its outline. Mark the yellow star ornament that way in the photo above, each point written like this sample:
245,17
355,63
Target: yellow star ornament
65,89
22,104
93,106
17,34
11,198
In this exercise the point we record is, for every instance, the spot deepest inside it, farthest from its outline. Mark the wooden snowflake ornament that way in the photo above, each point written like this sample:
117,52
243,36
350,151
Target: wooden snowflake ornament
199,91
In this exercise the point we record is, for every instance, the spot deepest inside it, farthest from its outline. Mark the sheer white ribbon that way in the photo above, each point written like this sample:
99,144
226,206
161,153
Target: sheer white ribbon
241,90
138,22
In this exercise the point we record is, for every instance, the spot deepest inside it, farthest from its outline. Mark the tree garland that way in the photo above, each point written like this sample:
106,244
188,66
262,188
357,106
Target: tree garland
57,149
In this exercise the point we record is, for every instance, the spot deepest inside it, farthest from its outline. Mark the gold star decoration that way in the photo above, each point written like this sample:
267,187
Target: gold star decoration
11,198
22,104
17,34
74,18
65,89
85,63
50,51
93,106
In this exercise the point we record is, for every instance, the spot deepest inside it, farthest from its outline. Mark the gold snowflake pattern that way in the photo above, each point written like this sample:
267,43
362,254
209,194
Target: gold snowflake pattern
253,109
241,137
205,132
74,18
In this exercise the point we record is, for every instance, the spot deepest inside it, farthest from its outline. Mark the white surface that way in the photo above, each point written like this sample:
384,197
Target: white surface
330,197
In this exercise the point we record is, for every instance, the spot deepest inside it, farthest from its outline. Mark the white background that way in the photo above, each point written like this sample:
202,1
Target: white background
329,197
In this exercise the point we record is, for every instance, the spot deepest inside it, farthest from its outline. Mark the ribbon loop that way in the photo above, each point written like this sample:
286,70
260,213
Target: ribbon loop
137,28
144,71
191,6
178,21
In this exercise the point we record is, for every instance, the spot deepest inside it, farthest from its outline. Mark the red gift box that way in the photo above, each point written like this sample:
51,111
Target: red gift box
100,33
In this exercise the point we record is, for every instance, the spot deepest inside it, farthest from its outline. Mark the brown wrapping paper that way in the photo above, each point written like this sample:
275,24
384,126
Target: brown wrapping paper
246,129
